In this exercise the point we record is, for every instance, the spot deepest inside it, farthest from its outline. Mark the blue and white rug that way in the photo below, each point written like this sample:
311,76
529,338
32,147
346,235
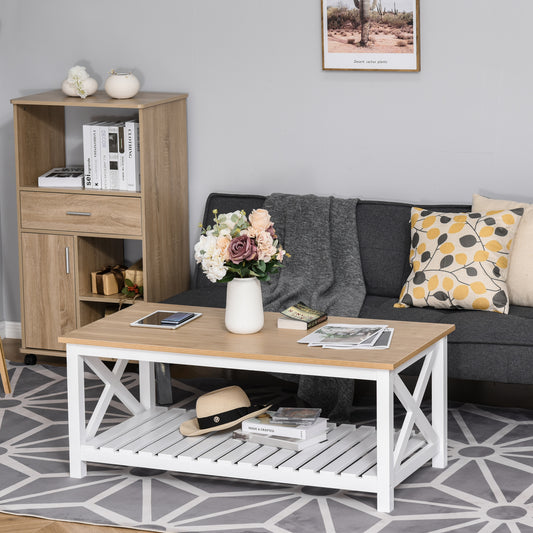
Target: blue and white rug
488,486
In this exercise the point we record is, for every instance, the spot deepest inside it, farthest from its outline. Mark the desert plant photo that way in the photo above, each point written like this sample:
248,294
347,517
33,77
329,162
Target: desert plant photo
370,35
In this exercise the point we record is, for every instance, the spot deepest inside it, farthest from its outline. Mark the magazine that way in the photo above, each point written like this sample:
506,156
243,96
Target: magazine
380,342
345,335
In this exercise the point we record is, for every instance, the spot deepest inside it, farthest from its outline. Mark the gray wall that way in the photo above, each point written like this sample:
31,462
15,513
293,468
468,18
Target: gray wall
265,117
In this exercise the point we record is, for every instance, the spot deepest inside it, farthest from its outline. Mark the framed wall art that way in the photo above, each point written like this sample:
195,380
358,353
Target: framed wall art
371,35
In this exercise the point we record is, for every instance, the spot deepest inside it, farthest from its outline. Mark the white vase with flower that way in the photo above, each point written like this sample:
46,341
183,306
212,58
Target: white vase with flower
79,83
242,251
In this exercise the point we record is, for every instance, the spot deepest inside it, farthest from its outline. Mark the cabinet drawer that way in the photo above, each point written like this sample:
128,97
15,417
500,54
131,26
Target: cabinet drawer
81,213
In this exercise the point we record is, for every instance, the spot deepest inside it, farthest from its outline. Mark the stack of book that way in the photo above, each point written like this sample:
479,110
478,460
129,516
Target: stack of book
111,155
291,428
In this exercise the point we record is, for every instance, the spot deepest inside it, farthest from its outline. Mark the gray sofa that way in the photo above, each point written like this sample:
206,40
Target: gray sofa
485,346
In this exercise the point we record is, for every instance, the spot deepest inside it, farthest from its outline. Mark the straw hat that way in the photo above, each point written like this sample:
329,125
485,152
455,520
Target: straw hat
221,409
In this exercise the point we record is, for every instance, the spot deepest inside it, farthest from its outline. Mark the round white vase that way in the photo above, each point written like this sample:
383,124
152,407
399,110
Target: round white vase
244,306
122,85
90,85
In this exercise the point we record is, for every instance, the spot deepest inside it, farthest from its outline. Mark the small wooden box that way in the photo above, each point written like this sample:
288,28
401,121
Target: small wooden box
135,273
108,281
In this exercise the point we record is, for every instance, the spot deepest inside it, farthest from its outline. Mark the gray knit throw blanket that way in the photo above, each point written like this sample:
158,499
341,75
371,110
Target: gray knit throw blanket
324,271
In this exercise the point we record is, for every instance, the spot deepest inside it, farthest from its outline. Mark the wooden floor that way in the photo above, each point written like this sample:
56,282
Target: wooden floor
23,524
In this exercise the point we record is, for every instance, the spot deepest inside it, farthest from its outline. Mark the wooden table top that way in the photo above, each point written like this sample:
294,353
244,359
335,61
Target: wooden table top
207,335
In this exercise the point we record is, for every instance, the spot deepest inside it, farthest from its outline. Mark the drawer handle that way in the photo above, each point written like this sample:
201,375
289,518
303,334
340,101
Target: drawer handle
79,213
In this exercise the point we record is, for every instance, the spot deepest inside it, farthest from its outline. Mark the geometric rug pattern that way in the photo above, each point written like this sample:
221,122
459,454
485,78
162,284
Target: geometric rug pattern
487,487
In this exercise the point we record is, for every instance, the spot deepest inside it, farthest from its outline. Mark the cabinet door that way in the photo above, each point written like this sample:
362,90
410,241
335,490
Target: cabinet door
49,303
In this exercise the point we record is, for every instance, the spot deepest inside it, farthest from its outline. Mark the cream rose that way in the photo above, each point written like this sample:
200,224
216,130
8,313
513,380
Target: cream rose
265,246
259,219
223,246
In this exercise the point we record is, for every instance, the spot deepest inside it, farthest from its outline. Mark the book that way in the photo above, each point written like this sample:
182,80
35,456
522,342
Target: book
95,155
88,162
104,155
63,177
112,149
265,426
296,415
132,147
122,185
301,316
281,442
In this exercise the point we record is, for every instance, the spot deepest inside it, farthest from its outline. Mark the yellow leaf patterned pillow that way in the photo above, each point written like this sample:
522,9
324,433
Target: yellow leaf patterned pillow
460,260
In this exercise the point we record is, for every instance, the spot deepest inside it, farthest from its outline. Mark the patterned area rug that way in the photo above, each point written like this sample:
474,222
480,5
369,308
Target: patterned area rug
488,486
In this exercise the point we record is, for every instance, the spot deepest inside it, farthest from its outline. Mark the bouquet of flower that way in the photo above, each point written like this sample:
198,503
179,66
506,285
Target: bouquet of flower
237,246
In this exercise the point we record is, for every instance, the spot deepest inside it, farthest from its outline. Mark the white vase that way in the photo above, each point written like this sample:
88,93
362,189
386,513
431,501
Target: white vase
90,85
122,85
244,306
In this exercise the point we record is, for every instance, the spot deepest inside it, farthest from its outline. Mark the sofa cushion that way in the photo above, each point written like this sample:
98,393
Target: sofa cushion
472,327
520,278
460,260
384,240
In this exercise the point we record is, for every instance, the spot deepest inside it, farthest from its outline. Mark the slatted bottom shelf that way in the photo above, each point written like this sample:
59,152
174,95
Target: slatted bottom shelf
347,460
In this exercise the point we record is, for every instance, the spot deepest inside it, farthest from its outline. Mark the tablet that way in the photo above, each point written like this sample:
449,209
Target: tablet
165,319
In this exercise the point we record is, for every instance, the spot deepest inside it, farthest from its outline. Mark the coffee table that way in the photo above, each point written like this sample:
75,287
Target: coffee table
353,458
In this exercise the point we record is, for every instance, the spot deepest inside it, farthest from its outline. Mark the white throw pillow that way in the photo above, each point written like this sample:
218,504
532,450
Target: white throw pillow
520,278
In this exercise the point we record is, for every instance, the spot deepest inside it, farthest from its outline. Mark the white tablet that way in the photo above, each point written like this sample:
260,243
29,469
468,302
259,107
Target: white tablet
165,319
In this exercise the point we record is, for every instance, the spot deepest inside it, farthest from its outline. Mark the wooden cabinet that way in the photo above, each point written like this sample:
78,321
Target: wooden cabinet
65,234
48,283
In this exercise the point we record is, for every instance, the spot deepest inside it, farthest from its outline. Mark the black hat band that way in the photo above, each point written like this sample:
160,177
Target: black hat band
226,417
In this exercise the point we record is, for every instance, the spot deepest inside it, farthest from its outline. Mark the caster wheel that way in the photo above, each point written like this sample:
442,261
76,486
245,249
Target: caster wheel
30,359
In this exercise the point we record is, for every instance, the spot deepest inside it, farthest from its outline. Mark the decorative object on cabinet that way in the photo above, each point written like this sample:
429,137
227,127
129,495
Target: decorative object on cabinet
135,273
65,234
79,83
109,280
122,85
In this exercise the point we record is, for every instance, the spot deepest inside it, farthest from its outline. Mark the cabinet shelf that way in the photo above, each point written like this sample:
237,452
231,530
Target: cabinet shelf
109,192
65,234
110,299
57,98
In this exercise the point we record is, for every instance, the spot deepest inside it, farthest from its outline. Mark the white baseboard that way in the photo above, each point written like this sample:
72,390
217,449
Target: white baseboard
10,330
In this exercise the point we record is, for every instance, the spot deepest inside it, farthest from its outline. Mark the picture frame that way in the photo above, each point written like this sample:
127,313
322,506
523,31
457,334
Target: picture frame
389,40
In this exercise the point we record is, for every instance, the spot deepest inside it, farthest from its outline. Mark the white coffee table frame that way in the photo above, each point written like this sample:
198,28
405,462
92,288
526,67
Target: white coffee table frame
355,459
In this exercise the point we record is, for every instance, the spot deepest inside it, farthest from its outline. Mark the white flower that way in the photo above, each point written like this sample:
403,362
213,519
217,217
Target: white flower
230,223
209,255
78,73
76,76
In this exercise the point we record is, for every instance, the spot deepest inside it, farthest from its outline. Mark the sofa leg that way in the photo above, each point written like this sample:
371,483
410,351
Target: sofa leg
163,384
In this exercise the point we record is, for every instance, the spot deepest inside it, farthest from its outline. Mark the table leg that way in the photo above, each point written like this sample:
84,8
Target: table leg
146,384
163,384
439,403
76,411
385,441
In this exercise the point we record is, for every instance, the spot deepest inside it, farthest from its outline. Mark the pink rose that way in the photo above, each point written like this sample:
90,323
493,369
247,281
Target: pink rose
260,220
242,248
